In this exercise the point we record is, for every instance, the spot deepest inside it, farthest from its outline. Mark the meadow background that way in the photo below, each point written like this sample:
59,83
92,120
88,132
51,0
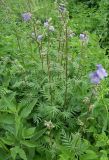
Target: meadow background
54,85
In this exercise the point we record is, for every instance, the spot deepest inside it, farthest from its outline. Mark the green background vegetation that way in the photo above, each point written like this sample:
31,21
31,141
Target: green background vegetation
79,129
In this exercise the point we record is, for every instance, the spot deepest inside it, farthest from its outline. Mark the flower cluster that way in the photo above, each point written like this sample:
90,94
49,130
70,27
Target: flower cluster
48,26
71,34
26,16
62,8
49,125
98,75
84,38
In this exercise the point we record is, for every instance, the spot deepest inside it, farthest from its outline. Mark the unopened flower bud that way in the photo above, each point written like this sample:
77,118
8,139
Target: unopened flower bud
91,107
51,29
33,35
49,124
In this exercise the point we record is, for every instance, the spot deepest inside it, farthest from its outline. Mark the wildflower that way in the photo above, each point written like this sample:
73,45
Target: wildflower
26,16
46,24
83,37
62,8
98,75
39,38
49,124
101,71
94,78
51,29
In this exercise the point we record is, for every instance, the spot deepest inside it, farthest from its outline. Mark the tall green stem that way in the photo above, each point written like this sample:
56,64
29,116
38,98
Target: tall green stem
48,66
66,65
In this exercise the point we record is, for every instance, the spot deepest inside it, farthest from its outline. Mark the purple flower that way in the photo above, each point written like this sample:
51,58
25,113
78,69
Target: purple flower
98,75
39,38
26,16
101,71
94,78
62,8
83,37
46,24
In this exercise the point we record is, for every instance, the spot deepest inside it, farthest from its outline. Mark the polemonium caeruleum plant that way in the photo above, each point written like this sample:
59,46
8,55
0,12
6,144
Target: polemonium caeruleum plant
25,103
95,78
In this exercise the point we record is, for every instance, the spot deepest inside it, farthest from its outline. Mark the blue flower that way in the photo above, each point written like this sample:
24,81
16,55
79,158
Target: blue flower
98,75
39,38
101,71
94,78
46,24
83,37
26,16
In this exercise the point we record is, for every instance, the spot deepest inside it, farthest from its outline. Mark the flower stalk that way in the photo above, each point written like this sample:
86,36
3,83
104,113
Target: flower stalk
48,67
66,65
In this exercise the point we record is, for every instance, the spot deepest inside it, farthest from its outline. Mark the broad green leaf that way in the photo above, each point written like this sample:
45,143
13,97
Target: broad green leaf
39,134
7,103
4,155
104,155
89,155
28,143
18,151
9,142
6,118
28,132
28,108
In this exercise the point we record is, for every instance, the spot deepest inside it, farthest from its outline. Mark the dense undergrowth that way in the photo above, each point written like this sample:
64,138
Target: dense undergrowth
54,95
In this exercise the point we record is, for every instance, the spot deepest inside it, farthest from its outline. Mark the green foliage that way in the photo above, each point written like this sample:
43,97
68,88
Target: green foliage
49,110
